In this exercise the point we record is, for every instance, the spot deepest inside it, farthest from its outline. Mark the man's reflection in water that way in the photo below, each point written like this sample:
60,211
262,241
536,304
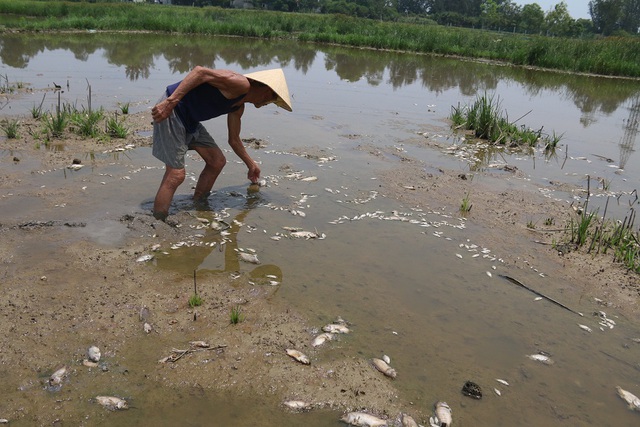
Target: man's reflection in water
264,274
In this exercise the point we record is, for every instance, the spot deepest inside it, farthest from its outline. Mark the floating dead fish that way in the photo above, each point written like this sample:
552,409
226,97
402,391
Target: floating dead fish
503,382
147,328
307,235
336,328
309,179
250,258
383,367
362,419
408,421
144,258
93,354
630,398
297,405
112,403
496,391
75,166
321,339
299,356
443,416
386,358
541,358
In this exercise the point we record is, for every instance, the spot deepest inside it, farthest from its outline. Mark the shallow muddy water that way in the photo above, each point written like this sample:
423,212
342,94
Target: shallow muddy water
415,284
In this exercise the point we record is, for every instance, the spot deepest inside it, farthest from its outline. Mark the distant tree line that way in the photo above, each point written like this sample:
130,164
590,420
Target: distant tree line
608,17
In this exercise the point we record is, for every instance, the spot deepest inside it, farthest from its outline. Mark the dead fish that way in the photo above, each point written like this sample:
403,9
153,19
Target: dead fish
408,421
309,179
297,405
305,234
147,327
541,358
584,327
93,354
630,398
386,358
321,339
443,416
382,366
299,356
56,378
498,392
112,403
75,166
503,382
250,258
144,258
362,419
336,328
200,344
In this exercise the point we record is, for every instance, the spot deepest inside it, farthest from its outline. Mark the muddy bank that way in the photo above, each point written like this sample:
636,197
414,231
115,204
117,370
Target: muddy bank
65,294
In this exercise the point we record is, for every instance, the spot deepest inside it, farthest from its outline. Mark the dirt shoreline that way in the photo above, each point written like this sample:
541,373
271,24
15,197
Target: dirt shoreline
89,294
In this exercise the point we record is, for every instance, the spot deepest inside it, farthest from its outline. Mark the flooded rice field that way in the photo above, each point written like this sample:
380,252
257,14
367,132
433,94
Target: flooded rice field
355,167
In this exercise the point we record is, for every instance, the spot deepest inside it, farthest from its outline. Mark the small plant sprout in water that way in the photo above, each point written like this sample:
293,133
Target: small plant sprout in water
236,315
195,300
531,225
466,205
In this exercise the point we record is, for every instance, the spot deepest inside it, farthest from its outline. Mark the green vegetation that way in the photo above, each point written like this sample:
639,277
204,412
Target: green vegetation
236,316
195,301
610,56
124,108
56,125
485,118
86,122
116,128
603,236
466,205
10,128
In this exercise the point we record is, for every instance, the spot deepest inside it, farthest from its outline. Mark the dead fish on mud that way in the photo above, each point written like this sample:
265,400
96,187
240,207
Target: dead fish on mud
321,339
299,356
336,328
362,419
382,366
542,358
443,416
297,405
630,398
55,380
408,421
307,235
112,403
144,258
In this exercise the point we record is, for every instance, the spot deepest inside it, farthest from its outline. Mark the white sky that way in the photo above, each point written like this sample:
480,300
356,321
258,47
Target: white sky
577,8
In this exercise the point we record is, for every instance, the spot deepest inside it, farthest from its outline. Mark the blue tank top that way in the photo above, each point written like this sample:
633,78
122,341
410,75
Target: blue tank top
202,103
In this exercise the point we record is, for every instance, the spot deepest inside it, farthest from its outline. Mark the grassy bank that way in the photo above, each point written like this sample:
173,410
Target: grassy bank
610,56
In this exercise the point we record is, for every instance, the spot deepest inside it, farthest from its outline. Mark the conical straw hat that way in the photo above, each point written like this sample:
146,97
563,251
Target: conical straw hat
276,81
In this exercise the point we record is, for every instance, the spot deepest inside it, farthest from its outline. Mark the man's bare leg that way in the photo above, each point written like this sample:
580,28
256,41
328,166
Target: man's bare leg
214,162
170,182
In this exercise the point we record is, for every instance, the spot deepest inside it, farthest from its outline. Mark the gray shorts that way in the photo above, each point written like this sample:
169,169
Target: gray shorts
171,141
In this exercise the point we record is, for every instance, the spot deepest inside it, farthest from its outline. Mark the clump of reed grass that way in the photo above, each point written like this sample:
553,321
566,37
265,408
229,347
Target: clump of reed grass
236,315
116,128
55,125
86,122
124,108
465,205
10,128
486,119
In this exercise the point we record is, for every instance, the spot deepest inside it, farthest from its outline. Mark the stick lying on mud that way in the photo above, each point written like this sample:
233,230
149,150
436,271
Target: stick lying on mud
517,282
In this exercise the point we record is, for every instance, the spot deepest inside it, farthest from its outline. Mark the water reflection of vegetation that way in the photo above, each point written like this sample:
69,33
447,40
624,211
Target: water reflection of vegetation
137,53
